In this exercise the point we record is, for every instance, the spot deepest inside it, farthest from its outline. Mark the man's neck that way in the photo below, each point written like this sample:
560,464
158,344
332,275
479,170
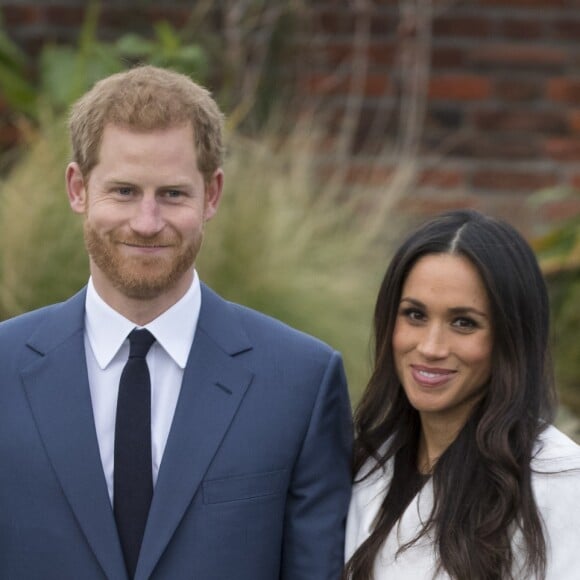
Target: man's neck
137,310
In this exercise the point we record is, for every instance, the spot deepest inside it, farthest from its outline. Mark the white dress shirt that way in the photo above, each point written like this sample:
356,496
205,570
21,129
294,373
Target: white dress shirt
107,350
556,486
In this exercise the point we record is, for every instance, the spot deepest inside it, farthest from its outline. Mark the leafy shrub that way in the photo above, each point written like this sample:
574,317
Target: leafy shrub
295,249
281,242
65,72
559,252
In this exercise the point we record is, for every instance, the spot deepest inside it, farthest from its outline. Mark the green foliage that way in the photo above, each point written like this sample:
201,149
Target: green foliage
167,49
565,295
42,258
17,91
301,253
41,250
279,243
66,72
559,254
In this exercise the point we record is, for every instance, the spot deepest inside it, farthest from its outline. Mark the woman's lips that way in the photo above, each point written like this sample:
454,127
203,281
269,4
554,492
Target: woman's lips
431,377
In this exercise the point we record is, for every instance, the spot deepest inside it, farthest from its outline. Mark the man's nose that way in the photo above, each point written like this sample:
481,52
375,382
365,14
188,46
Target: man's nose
147,220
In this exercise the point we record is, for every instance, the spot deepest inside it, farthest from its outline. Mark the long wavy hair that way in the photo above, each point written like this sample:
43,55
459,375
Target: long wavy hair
482,482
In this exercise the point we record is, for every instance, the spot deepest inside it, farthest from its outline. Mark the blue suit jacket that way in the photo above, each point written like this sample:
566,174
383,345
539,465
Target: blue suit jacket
255,479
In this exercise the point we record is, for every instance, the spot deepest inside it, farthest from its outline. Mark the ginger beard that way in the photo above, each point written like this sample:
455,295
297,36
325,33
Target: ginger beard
141,277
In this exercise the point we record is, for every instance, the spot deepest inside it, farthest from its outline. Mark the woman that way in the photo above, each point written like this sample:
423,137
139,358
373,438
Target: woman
460,473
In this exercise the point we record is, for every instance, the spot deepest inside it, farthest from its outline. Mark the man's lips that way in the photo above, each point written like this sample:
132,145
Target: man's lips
147,249
146,243
431,376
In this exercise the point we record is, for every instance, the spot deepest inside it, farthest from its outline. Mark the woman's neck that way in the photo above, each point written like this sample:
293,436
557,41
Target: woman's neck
435,438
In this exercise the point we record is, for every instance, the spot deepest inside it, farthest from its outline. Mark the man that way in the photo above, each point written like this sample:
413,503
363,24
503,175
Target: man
221,449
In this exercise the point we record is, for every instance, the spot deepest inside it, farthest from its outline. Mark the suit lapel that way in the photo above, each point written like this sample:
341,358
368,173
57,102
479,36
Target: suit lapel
56,385
213,387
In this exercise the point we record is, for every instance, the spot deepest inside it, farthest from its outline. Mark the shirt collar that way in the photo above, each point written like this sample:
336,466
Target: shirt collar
174,330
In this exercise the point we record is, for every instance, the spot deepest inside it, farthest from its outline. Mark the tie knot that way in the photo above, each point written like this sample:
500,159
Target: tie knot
140,341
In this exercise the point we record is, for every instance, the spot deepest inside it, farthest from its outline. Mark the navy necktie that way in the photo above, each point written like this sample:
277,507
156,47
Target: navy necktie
133,478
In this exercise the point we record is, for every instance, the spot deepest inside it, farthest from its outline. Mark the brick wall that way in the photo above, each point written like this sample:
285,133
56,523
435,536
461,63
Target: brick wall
498,94
502,86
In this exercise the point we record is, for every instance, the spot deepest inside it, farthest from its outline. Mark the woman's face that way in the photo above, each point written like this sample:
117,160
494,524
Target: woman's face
442,340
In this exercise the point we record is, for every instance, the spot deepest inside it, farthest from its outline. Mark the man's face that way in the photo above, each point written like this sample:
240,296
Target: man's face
145,204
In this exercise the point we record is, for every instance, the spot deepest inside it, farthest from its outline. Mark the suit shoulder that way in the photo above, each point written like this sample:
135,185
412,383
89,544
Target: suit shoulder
260,326
24,324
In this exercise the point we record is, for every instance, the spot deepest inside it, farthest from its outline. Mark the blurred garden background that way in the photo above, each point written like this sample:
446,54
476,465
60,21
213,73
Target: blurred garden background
348,121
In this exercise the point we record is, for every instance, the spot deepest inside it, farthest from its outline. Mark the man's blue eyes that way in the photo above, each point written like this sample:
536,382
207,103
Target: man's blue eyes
170,193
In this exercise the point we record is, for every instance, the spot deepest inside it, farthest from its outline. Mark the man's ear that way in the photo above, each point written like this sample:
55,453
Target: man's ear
213,194
76,188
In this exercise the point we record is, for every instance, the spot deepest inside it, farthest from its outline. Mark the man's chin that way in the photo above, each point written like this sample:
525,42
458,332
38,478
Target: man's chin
140,289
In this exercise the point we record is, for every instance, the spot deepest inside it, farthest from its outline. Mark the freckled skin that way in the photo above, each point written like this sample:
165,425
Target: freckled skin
442,341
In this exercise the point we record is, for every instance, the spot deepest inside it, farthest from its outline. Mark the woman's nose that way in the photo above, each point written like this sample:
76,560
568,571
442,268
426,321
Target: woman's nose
433,342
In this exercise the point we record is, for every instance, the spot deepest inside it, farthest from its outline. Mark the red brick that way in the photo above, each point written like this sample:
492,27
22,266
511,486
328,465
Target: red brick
427,204
563,149
320,84
382,26
323,84
561,210
462,27
370,175
568,29
525,3
342,20
459,87
518,90
334,53
9,135
360,174
332,21
523,147
175,15
371,129
564,89
523,29
21,15
576,181
447,57
521,121
574,121
382,53
512,180
441,178
118,17
519,56
65,15
377,85
448,119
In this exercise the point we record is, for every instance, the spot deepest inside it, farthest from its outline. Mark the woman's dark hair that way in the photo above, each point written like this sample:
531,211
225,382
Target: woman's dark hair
482,482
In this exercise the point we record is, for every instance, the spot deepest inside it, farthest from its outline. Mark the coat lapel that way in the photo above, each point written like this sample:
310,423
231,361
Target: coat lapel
214,385
57,388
